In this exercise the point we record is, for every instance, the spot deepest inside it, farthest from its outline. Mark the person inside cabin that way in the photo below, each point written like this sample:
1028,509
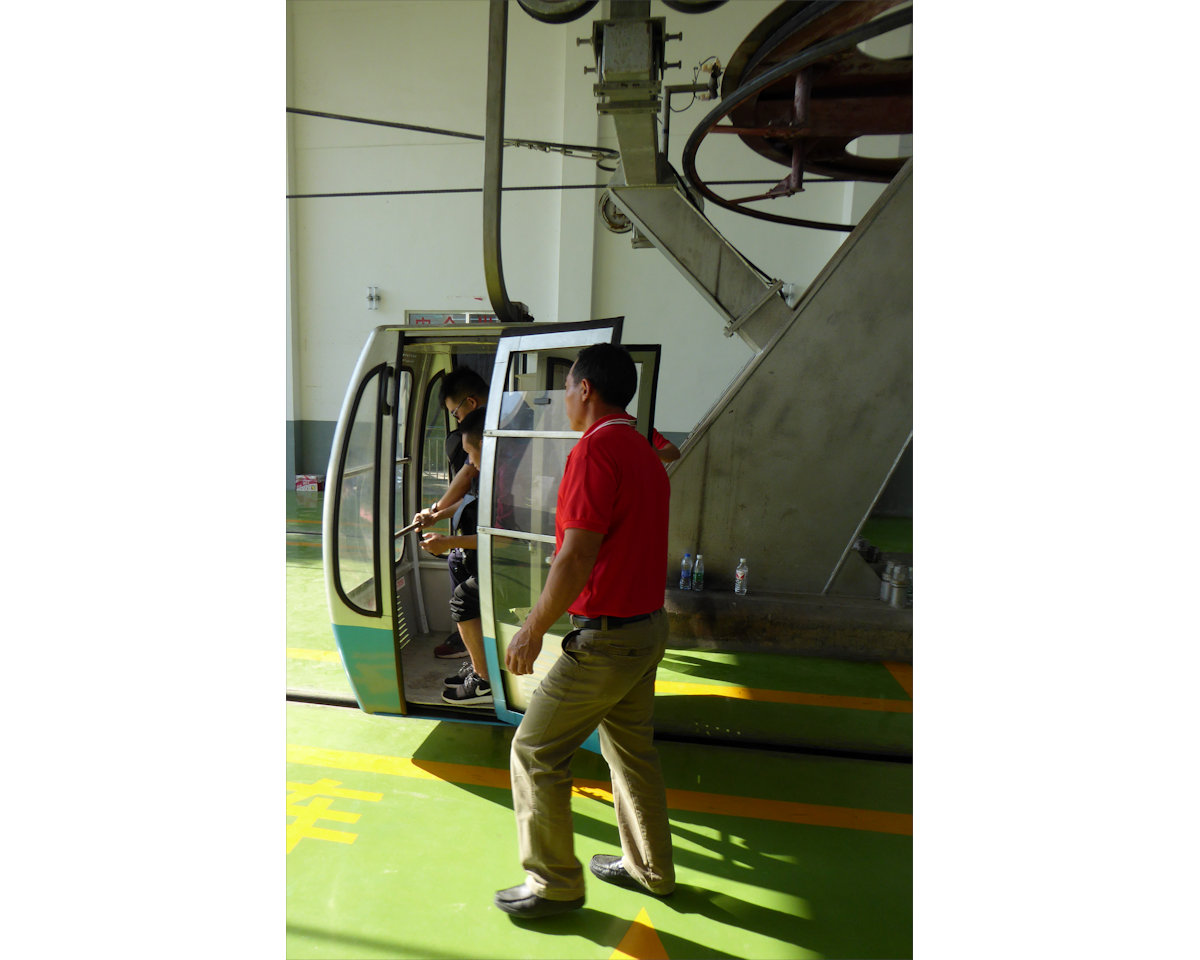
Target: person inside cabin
463,392
470,686
664,449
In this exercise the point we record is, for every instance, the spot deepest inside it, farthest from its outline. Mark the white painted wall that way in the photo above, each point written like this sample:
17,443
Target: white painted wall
424,62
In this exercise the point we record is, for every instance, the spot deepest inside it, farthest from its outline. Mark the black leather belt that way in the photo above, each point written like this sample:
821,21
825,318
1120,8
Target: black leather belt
606,623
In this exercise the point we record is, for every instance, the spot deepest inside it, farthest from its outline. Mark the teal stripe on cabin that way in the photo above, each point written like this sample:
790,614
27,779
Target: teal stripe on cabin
369,655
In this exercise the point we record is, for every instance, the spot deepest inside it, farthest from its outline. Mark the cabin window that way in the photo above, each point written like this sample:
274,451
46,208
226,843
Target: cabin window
357,566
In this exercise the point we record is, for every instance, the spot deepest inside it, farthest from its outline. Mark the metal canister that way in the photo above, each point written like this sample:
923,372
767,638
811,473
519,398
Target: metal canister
885,585
899,581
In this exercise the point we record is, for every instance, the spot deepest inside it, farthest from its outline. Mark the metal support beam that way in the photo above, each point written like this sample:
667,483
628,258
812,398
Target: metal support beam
768,295
629,64
709,262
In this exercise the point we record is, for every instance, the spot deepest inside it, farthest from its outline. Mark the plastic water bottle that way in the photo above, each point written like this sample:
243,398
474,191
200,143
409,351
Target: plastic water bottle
698,573
685,573
739,576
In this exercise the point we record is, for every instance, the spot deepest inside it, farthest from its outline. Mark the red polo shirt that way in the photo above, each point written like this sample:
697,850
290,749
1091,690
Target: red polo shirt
614,484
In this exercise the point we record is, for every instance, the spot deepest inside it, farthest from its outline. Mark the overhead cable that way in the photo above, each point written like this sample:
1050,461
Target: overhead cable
545,146
561,186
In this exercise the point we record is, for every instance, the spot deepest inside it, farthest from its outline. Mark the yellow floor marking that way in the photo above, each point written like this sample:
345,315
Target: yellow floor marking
301,543
298,520
783,811
325,656
326,788
319,796
903,674
400,766
302,828
670,687
641,942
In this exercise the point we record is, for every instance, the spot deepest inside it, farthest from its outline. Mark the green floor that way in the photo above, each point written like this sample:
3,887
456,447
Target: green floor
889,534
307,611
401,829
411,865
873,714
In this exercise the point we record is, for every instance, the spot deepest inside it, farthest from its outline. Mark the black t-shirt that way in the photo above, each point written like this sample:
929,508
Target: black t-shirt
455,454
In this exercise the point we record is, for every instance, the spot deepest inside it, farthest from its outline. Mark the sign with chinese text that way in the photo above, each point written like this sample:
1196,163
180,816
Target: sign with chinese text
427,318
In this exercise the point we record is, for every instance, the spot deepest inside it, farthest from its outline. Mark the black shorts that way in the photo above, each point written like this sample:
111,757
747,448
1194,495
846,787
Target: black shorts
464,602
462,564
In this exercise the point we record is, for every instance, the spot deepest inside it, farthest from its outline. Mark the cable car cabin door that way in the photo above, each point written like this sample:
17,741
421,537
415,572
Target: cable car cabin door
363,515
527,437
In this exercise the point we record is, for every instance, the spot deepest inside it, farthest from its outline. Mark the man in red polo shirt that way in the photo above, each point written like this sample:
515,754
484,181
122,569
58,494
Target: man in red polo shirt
610,573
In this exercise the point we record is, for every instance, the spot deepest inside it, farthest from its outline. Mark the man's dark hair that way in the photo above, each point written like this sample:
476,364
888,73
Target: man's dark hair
610,370
462,383
472,427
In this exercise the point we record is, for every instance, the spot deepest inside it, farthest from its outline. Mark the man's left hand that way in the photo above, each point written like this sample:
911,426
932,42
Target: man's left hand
522,651
435,543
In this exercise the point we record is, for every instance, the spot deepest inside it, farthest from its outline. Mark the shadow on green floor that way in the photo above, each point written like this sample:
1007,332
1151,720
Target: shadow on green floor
818,878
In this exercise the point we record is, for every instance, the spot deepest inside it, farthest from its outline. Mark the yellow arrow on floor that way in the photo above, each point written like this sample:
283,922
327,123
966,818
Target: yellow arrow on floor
641,942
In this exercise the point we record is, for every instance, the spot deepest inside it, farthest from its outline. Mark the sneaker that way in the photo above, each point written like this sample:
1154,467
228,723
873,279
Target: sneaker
452,649
463,672
474,689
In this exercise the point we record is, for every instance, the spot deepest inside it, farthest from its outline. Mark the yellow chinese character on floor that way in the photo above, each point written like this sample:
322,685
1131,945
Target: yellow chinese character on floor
320,796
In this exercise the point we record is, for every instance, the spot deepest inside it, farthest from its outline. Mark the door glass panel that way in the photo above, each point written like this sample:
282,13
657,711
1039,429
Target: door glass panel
356,504
525,482
519,570
534,390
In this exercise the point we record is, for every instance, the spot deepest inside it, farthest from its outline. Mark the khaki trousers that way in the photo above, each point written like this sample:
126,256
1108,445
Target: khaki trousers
603,679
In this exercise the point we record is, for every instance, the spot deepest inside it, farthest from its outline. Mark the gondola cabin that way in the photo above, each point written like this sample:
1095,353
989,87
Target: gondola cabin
389,599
